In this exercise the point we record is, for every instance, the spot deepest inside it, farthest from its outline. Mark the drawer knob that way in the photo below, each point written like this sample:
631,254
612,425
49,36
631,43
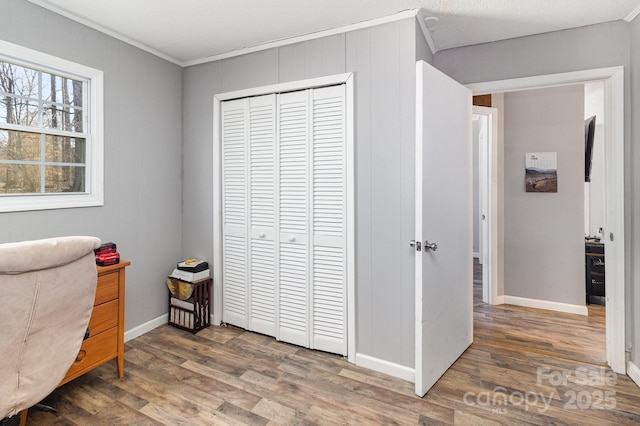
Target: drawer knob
81,355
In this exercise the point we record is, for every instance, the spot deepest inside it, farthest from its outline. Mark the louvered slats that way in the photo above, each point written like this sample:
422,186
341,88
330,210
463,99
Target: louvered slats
234,289
293,292
293,142
234,212
284,215
328,166
234,167
262,136
328,287
262,286
328,292
262,163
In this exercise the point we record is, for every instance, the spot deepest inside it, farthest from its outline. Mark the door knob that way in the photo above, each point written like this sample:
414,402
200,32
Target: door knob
430,246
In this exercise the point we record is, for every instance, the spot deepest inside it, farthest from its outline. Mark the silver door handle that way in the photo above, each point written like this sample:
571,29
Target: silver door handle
416,244
430,246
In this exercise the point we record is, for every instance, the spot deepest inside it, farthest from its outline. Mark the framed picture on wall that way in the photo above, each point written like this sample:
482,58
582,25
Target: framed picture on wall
541,172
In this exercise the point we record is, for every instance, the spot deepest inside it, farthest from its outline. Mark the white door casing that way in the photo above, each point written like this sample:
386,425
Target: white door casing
444,322
488,168
614,188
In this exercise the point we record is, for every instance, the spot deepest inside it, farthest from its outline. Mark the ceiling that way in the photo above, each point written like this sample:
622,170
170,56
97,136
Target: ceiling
194,31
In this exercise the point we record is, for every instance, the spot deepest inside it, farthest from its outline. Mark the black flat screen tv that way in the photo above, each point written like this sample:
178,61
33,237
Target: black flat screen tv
589,133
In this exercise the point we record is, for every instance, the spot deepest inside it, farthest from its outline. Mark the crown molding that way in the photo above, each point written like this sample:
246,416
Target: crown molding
48,6
406,14
411,13
633,14
425,31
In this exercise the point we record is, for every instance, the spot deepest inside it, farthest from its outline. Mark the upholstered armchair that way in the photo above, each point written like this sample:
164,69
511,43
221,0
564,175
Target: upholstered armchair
47,288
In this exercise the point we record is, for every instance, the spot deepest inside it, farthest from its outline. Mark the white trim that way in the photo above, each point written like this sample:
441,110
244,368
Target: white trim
499,300
351,222
386,367
418,200
425,32
145,327
94,160
306,37
217,212
348,80
53,8
546,304
489,205
476,255
633,14
614,219
290,86
614,171
633,372
540,81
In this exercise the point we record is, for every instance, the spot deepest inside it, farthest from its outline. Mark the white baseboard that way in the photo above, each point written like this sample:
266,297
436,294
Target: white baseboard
146,327
499,300
633,371
386,367
545,304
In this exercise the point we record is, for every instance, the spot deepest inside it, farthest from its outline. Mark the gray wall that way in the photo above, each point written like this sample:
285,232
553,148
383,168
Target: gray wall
383,60
142,153
544,232
610,44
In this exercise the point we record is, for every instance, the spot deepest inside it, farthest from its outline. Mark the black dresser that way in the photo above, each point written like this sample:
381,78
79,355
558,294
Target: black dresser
595,278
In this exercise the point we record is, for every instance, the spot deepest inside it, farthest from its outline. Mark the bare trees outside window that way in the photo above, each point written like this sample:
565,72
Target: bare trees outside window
42,141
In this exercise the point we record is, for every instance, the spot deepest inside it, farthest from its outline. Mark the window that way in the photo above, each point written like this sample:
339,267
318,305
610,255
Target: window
50,132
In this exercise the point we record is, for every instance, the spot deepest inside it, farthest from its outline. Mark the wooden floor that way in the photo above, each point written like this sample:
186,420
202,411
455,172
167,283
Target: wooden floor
525,367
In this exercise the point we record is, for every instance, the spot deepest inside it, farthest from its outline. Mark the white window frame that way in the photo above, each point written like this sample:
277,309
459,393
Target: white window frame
93,117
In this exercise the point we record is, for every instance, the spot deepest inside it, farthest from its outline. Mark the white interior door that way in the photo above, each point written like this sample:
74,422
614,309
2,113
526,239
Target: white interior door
444,297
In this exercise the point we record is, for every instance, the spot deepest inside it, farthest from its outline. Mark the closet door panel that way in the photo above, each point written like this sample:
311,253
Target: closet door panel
262,193
234,212
293,135
328,218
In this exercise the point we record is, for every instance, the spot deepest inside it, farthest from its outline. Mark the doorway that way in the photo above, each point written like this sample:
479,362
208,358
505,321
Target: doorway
613,79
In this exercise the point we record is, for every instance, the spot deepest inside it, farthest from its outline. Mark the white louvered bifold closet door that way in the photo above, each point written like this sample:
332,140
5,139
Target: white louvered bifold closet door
293,144
284,216
328,251
262,165
234,121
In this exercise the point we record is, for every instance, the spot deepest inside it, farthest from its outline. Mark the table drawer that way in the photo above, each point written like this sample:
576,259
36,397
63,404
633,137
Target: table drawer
103,317
97,349
107,288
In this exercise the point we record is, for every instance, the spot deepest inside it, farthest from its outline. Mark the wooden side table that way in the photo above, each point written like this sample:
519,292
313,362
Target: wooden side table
191,314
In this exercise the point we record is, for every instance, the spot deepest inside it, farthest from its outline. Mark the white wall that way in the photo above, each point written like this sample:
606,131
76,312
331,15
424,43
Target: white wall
142,211
594,105
476,127
543,236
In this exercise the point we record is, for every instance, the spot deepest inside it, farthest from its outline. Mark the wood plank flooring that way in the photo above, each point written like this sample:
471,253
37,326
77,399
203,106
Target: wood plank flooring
525,367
